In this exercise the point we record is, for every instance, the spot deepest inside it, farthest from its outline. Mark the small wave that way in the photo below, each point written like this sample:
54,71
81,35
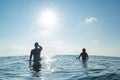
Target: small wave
108,76
61,68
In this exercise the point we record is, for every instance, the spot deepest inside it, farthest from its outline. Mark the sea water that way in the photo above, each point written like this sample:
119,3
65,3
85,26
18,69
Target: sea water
60,67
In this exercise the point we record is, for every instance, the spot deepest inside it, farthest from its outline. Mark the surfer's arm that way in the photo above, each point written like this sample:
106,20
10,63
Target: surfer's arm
79,56
30,59
30,56
87,57
40,47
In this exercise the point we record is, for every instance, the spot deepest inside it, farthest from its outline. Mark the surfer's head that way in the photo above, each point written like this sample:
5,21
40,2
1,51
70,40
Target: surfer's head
83,49
36,44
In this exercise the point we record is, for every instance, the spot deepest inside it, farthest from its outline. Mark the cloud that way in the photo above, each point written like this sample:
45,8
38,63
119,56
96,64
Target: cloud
13,50
16,47
45,33
95,41
60,47
90,20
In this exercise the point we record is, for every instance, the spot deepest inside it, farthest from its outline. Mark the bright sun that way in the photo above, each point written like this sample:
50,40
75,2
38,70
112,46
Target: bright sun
48,18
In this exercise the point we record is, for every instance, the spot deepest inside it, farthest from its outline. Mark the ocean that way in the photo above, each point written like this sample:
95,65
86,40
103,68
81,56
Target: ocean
60,67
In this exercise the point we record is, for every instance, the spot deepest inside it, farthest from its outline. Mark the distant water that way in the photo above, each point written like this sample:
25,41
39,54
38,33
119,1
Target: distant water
61,67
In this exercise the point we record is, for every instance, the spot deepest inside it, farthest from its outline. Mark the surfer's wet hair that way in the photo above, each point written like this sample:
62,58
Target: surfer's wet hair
84,49
36,43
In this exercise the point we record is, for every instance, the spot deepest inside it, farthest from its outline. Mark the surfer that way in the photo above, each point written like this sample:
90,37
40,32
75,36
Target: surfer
36,52
84,55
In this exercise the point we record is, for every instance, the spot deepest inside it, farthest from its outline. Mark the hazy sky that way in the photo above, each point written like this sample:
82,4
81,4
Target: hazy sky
60,26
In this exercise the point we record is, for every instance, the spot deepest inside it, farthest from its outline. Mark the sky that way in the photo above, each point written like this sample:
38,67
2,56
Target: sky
60,27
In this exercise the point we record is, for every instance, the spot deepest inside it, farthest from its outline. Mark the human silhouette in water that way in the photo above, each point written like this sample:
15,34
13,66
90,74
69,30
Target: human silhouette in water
36,52
84,55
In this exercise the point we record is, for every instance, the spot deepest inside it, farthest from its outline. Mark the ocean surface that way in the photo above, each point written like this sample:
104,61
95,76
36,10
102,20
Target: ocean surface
60,67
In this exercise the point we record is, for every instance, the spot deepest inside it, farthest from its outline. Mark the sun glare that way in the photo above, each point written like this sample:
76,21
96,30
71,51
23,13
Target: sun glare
48,18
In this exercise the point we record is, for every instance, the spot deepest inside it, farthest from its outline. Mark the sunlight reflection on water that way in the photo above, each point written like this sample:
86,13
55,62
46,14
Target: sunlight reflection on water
48,62
61,67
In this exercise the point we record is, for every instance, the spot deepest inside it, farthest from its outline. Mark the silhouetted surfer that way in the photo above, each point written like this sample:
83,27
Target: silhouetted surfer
36,52
84,55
